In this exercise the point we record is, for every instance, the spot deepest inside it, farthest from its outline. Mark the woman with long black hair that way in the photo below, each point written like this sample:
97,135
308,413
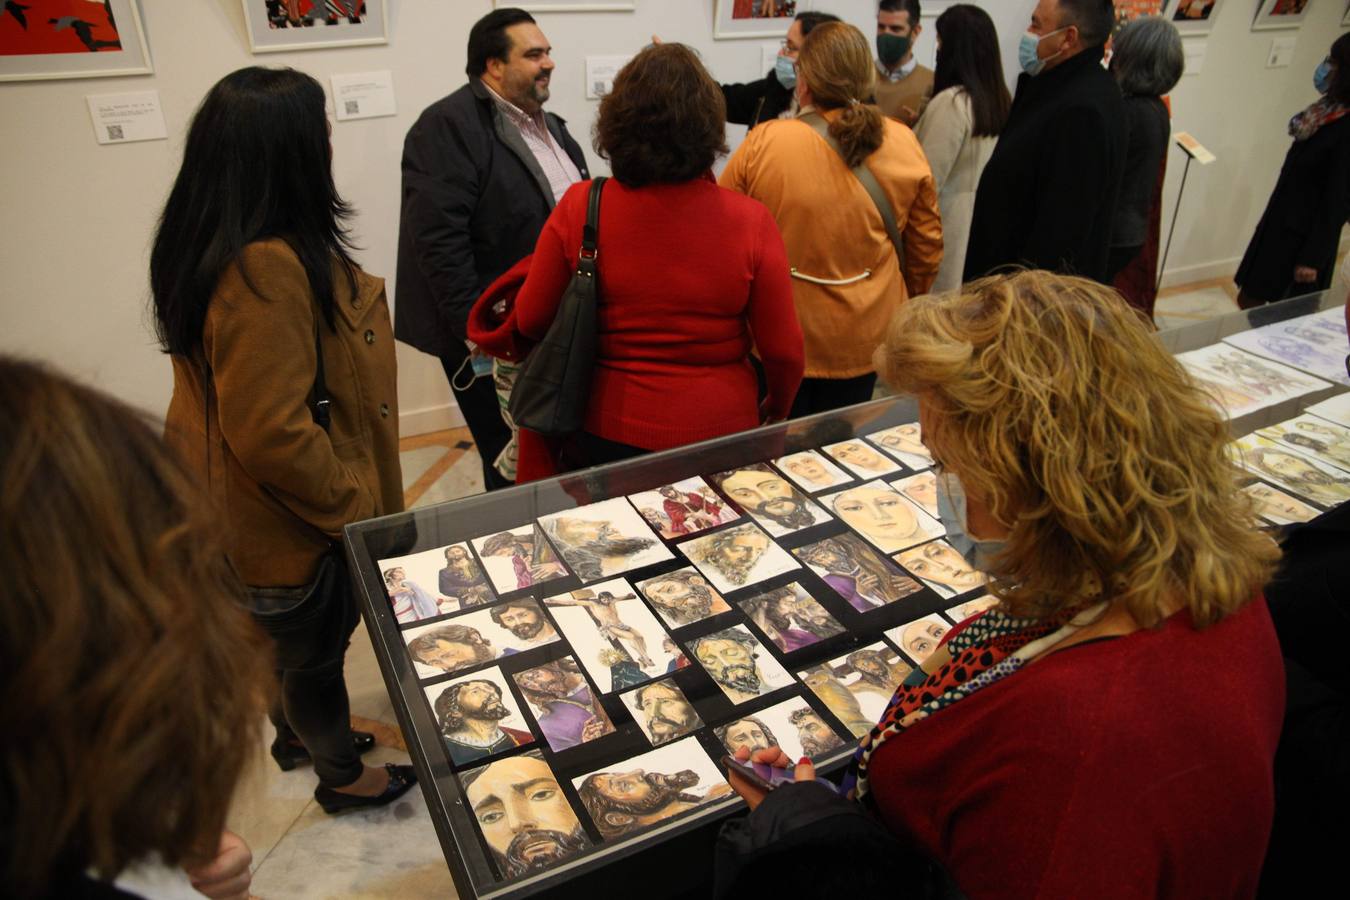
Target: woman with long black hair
284,392
961,124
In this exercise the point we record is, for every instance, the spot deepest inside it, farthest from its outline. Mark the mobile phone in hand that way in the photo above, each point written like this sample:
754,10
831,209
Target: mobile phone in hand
764,777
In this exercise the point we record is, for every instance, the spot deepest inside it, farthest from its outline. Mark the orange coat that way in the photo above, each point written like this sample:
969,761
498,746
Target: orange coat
833,232
284,486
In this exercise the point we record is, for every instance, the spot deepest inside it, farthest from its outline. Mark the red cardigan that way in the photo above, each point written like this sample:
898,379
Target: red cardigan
1133,767
692,276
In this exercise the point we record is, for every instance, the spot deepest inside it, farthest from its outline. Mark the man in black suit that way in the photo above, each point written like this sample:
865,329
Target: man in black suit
1048,196
482,170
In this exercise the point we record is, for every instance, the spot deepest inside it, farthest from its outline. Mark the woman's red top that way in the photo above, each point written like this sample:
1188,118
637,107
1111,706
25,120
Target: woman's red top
1137,766
692,276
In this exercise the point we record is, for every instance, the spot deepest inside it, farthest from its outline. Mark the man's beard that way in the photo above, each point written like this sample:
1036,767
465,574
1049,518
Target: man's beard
665,790
588,560
689,608
556,847
812,747
617,546
796,515
553,690
527,630
491,712
776,618
874,678
736,572
674,728
539,90
527,93
821,628
739,678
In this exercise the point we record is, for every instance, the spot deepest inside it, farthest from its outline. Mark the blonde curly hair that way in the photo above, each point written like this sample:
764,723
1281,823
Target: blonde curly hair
1089,441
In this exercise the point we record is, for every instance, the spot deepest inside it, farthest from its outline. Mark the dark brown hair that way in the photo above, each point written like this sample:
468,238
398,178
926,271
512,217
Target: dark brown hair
836,65
488,38
665,120
968,57
134,682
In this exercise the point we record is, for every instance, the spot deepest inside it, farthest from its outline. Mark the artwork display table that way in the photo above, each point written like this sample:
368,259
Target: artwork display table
570,659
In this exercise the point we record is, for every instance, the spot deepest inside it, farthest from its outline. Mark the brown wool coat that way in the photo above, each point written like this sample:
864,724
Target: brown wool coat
285,487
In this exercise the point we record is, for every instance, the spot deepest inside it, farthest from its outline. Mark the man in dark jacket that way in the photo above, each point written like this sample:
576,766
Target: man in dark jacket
482,170
771,96
1047,198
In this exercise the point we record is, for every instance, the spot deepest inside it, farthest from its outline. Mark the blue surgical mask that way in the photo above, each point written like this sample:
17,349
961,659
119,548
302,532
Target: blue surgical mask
951,503
1322,77
1026,52
785,70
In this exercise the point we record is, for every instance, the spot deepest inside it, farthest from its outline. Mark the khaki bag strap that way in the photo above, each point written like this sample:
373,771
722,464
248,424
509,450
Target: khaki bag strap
869,183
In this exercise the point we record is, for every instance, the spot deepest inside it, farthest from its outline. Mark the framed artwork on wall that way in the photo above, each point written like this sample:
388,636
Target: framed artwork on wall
1280,14
535,6
1129,10
43,39
1193,16
276,25
934,8
755,18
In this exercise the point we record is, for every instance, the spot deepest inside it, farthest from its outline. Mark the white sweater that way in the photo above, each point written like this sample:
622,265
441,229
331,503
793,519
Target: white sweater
957,160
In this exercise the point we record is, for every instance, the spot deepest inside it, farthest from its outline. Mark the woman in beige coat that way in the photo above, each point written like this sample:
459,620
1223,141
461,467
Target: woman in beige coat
847,278
960,125
255,294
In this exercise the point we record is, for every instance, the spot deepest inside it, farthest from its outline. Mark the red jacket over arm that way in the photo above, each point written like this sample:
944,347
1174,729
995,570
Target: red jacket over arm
691,277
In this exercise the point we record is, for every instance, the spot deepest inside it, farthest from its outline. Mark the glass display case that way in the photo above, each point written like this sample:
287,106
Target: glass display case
569,659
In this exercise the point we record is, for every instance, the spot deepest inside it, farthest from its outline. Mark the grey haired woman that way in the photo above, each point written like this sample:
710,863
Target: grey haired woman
1148,61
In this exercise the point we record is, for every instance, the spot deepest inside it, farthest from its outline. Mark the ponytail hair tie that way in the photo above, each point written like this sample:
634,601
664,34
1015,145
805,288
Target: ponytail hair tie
853,101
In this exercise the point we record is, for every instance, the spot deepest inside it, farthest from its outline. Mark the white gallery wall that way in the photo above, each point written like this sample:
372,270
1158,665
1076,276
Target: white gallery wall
77,217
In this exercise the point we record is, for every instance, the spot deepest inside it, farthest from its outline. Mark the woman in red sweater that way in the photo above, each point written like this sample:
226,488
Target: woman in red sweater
1109,728
692,276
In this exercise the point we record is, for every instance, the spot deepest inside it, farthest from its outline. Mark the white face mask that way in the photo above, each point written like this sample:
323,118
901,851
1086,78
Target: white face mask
1028,55
951,501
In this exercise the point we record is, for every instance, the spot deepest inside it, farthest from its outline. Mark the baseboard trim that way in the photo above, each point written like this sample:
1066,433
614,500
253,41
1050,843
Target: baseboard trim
430,419
1223,268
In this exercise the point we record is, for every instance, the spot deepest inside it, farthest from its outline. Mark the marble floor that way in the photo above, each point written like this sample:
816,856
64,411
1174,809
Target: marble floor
1187,303
299,852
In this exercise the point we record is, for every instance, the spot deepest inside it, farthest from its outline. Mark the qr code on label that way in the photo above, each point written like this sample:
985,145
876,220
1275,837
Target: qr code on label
115,133
352,106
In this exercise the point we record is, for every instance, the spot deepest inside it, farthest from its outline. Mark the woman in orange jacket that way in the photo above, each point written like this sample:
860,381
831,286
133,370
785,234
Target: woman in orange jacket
848,276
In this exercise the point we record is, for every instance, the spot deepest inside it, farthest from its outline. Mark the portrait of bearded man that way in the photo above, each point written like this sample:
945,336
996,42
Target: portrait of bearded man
620,803
523,814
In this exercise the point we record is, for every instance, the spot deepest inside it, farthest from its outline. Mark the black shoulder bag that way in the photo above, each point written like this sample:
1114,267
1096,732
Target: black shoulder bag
553,386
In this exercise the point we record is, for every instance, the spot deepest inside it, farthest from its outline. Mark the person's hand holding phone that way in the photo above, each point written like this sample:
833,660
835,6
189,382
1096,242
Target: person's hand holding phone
753,794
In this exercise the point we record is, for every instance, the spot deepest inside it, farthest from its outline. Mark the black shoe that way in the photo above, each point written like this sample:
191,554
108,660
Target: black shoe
401,778
289,755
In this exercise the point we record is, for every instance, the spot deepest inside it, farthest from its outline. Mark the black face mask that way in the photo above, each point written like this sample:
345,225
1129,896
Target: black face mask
891,48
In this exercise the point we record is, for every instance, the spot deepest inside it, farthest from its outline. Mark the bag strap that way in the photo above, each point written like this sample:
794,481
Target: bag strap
869,183
322,415
590,234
